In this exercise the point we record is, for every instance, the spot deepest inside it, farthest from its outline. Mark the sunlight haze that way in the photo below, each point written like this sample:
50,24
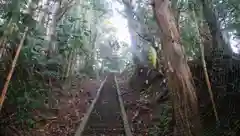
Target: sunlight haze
120,23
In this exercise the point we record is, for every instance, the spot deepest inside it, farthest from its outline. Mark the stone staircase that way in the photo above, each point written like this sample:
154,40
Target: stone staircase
105,119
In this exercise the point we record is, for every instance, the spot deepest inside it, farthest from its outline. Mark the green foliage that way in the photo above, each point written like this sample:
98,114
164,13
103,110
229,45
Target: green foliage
162,121
29,87
74,35
27,90
190,40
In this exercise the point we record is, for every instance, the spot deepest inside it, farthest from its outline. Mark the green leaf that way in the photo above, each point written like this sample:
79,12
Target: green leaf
21,100
30,122
36,104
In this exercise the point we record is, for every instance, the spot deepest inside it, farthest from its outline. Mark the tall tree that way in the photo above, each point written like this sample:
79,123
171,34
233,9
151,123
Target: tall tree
185,103
214,25
132,25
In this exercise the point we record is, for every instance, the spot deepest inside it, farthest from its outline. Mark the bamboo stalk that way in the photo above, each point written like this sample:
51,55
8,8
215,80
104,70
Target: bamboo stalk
205,68
4,91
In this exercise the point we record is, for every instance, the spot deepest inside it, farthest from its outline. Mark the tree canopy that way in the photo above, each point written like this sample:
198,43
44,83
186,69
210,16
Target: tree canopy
49,42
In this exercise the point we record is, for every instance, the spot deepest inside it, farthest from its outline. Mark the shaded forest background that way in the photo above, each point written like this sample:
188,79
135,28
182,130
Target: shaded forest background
49,44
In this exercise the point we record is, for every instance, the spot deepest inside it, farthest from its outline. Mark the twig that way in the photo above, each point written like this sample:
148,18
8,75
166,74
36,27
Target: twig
64,9
4,91
136,114
15,130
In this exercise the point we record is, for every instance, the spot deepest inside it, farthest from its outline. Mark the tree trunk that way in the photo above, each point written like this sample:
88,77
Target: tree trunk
51,36
180,82
176,11
69,64
198,24
219,43
73,63
214,27
129,12
43,11
8,32
206,38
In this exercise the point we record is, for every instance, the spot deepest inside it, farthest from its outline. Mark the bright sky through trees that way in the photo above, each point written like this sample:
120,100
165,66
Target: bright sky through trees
120,23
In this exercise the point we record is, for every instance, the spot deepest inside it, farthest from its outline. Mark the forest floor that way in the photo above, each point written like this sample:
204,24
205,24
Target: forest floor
139,117
72,104
70,109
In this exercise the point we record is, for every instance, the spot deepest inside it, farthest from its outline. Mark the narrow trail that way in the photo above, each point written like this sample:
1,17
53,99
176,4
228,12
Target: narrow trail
106,116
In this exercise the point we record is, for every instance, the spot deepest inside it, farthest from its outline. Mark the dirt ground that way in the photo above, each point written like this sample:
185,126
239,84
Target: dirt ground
71,108
139,121
72,104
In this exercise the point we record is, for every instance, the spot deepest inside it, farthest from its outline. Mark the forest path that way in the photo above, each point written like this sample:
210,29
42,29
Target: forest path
74,103
106,116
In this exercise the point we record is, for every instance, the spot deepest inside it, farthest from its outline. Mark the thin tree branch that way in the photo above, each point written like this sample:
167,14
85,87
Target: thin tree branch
64,9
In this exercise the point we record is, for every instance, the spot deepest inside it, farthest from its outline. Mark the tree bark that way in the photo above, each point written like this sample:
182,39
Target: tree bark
57,13
8,32
198,24
129,13
176,11
180,82
43,11
69,64
206,38
51,36
214,27
220,43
